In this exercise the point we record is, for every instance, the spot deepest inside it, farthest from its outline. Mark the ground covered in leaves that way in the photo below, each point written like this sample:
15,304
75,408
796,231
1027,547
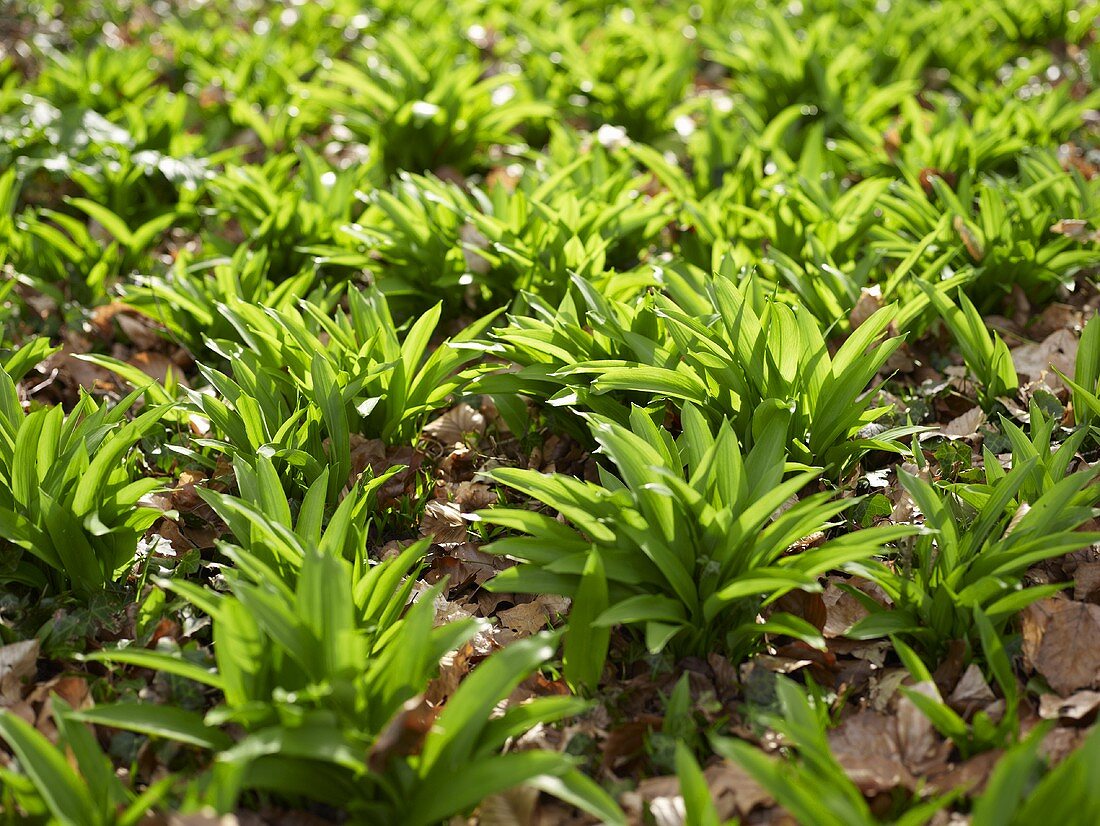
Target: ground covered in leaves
538,413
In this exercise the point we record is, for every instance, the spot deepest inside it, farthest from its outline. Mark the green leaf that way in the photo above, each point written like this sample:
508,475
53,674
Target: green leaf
64,793
585,645
454,792
157,661
699,809
451,742
168,722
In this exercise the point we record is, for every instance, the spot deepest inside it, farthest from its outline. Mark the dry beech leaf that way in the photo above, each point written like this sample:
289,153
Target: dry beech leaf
473,496
472,241
365,453
1075,707
842,611
1076,229
668,811
18,663
882,752
526,619
157,366
964,426
456,425
972,692
443,522
922,749
404,734
515,807
970,775
202,819
865,745
140,329
732,789
1035,360
1059,641
1086,582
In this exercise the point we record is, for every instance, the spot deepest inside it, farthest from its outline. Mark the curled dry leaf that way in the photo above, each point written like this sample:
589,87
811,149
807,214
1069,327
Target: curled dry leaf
473,496
1075,707
443,522
1076,229
456,425
969,239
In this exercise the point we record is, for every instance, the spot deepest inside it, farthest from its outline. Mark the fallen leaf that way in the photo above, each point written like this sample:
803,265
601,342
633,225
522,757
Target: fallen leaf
869,302
366,453
668,811
473,496
866,746
526,619
456,425
1086,582
403,735
18,663
921,748
1035,361
1060,742
964,426
142,331
1075,707
970,775
157,366
734,790
443,522
1073,228
972,692
514,807
1059,641
970,241
842,611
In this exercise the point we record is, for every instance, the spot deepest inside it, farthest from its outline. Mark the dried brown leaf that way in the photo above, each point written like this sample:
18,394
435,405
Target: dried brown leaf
972,692
1035,361
456,425
964,426
525,619
515,807
1075,707
18,663
443,522
1059,641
